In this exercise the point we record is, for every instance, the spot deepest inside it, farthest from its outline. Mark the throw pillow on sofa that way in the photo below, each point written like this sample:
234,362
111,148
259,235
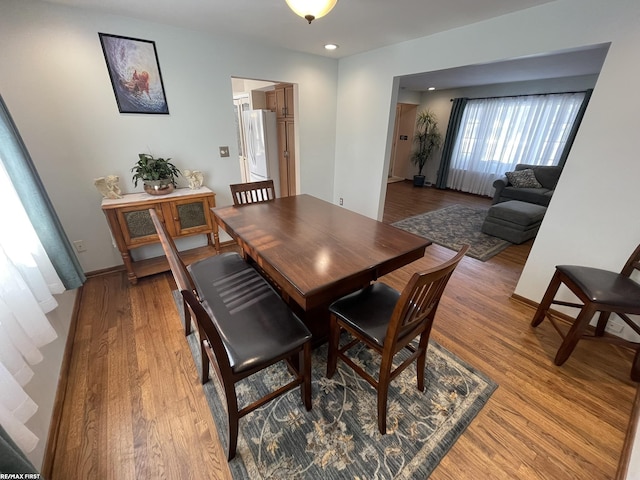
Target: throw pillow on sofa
523,179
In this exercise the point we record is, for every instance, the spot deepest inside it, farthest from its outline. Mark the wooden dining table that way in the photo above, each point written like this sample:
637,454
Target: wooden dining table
315,252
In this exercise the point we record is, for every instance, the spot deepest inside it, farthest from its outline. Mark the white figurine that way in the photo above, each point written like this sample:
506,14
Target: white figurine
195,178
108,186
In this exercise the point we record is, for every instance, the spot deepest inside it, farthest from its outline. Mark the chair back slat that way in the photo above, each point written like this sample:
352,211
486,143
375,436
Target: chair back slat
178,268
210,331
633,263
419,300
252,192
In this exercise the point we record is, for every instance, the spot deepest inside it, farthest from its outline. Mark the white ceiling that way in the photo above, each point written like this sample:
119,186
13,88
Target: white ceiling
356,26
585,61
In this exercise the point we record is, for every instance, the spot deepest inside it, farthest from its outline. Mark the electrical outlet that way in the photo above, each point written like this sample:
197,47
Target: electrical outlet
80,247
341,201
224,151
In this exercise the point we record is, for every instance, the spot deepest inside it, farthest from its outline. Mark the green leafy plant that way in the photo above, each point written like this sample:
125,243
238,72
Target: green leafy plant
427,138
148,169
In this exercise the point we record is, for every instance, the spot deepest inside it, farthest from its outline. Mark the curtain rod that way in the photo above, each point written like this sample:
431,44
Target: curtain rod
525,95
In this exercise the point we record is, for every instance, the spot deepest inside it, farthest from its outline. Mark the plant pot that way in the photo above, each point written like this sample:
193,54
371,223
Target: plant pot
418,180
158,187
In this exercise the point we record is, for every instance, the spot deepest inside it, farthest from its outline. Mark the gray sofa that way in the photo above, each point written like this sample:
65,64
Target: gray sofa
547,176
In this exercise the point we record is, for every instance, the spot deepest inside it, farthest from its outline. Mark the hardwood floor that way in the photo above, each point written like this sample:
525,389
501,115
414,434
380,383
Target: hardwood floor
135,409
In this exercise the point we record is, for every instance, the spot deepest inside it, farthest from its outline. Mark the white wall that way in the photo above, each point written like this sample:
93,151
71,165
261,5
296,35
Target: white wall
55,83
590,219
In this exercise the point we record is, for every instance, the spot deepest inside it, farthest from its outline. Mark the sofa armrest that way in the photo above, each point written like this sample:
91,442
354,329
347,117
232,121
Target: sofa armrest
499,185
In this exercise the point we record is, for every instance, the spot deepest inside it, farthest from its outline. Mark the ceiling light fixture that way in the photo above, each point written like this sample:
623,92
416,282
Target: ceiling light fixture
330,46
311,9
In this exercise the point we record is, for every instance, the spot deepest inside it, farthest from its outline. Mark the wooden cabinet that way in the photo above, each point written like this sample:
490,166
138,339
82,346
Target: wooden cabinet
284,101
184,212
281,100
287,157
270,98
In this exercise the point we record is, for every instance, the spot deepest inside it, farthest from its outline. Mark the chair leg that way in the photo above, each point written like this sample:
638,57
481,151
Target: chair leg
233,419
305,369
334,340
422,360
383,392
575,333
549,295
635,367
187,318
602,323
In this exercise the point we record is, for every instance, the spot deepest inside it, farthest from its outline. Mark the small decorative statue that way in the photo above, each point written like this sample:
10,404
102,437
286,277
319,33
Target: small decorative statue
108,186
195,178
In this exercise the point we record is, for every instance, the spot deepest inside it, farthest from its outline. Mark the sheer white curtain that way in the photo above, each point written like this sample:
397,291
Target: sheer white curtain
27,282
498,133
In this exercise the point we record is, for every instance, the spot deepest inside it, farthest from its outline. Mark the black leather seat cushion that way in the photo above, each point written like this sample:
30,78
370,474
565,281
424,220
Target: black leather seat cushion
603,286
368,310
254,322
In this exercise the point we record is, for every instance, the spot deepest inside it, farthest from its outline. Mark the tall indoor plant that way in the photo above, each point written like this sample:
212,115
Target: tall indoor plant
428,140
157,174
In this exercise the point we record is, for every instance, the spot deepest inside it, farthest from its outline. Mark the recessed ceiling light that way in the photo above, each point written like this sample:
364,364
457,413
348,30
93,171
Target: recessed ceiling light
330,46
431,88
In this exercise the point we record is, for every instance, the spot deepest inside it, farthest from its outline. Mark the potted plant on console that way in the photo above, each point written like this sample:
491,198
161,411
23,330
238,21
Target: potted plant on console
428,140
157,174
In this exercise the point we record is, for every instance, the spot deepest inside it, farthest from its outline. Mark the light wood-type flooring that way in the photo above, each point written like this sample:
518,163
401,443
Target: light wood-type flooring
134,407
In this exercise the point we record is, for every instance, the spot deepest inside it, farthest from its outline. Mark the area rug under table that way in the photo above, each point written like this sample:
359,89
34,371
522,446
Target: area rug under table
339,438
454,226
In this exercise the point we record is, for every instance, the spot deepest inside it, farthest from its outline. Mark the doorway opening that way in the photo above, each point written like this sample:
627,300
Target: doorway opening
264,113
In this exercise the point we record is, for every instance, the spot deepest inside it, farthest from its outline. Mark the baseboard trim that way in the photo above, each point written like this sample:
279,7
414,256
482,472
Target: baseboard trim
61,392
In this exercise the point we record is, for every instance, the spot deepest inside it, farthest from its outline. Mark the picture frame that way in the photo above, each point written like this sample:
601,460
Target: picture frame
135,74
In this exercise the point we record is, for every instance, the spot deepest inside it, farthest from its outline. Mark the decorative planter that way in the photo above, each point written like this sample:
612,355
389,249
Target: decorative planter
418,180
158,187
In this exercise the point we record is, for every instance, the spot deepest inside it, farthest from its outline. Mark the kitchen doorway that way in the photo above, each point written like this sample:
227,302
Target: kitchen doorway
266,125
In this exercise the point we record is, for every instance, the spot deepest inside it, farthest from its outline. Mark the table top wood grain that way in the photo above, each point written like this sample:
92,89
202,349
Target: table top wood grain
316,251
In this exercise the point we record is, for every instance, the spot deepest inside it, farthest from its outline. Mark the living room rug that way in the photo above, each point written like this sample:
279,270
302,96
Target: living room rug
453,226
339,438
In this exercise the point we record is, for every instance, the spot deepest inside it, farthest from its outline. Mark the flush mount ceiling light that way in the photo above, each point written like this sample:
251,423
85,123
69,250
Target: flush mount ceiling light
311,9
331,46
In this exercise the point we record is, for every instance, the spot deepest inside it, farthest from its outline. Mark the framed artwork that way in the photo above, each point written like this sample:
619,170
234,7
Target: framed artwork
135,74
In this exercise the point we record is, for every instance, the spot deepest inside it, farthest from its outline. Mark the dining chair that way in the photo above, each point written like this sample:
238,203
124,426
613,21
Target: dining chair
600,291
243,339
387,321
253,192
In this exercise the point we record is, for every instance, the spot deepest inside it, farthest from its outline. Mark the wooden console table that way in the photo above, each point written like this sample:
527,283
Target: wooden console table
185,212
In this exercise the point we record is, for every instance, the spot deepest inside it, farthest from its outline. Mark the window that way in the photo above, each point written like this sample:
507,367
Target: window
498,133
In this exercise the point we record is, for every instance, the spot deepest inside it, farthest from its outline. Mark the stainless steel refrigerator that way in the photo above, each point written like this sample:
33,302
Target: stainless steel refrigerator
261,139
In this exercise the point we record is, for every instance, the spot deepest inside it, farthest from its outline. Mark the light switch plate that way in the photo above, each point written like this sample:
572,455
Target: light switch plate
224,151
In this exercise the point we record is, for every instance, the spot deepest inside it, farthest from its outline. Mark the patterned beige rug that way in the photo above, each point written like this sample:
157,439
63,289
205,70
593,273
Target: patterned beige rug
339,438
454,226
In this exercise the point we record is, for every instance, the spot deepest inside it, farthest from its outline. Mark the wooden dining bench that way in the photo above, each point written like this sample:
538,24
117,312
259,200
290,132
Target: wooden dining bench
243,324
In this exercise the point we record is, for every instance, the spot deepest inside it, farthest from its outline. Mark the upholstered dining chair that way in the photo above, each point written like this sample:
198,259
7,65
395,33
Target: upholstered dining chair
599,291
387,321
252,192
241,340
243,325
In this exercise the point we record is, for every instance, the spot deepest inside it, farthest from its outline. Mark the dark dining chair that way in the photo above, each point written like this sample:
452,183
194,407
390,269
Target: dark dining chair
599,291
243,325
253,192
242,338
387,321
